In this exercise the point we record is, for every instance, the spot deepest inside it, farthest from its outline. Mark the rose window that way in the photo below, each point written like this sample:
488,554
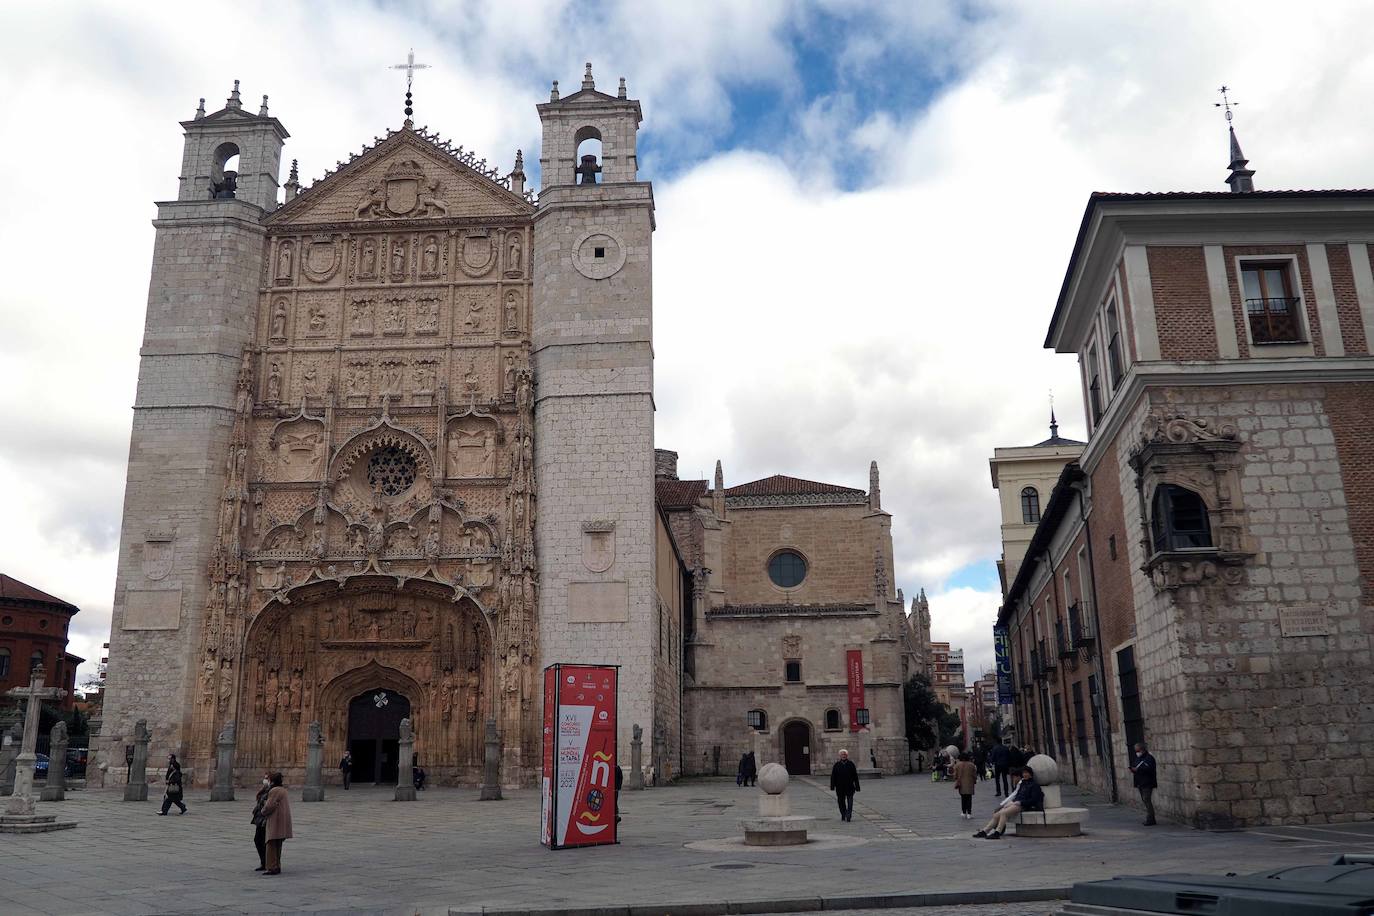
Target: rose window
391,471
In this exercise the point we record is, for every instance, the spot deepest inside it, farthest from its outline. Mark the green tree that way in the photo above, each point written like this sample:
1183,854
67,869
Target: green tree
928,721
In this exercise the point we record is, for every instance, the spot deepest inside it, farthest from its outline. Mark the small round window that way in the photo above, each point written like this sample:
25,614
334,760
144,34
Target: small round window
391,471
787,569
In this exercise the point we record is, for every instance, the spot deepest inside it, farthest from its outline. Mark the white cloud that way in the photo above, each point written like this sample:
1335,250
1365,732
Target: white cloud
801,328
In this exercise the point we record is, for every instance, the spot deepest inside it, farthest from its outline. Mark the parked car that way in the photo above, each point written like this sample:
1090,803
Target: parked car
40,766
76,762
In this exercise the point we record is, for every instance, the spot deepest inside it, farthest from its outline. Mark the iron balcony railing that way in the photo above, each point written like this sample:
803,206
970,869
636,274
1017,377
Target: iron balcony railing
1080,628
1274,321
1047,659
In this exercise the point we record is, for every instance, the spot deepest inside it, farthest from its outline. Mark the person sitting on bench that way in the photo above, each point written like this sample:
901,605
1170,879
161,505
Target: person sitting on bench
1027,797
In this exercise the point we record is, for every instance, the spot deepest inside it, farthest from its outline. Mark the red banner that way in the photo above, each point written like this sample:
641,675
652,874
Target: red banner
579,756
854,666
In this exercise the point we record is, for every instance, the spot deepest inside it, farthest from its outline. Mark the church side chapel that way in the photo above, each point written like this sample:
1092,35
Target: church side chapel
332,495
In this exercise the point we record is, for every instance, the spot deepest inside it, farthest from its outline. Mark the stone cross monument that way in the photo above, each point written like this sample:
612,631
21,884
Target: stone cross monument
21,802
223,789
314,764
491,765
405,778
56,789
137,789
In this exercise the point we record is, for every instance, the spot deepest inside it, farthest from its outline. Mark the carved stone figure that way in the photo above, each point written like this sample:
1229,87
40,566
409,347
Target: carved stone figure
371,204
361,321
513,255
274,382
319,319
429,261
398,259
473,322
367,261
431,204
359,379
471,381
426,315
279,320
509,386
284,261
512,311
395,322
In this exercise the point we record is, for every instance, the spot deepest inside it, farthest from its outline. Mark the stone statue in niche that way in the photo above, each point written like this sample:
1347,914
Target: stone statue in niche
426,315
473,322
358,379
423,377
367,260
310,381
319,320
513,255
522,390
471,382
391,377
270,695
429,259
361,322
508,385
274,382
279,320
398,259
395,318
284,261
512,311
472,453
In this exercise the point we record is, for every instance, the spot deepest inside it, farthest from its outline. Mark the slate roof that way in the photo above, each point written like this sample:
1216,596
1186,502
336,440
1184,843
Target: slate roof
679,494
11,589
1057,440
782,485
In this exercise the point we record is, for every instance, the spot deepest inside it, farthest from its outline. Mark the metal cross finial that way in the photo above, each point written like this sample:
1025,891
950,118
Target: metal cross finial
1226,102
409,67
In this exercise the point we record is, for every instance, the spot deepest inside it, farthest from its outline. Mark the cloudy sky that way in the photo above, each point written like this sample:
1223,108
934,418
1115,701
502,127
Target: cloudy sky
864,213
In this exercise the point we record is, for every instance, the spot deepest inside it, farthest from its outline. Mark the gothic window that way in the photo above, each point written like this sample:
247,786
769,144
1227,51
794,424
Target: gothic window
1178,519
1270,306
832,720
4,662
792,672
787,569
391,471
1030,506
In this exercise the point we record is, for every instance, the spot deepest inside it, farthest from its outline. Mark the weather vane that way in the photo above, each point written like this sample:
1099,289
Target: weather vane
1226,103
409,67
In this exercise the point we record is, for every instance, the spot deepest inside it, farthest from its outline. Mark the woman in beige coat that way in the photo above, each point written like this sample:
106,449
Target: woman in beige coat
277,810
965,781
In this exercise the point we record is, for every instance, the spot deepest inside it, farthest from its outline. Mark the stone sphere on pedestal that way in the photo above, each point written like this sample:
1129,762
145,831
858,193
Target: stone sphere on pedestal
951,751
773,778
1045,769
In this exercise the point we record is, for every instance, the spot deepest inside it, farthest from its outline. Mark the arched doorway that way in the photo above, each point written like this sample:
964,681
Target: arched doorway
374,731
796,747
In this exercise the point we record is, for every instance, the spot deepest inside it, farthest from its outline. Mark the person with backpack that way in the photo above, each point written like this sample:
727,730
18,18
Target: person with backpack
174,793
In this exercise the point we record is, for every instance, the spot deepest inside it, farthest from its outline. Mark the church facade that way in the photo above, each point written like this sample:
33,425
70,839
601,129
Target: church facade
392,452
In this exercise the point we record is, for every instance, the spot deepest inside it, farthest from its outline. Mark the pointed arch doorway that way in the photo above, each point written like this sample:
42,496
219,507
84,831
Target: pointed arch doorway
374,733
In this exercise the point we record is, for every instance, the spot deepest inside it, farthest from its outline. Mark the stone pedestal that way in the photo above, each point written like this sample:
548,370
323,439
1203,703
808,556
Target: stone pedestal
405,772
223,789
491,764
137,787
1055,820
775,825
56,789
314,766
636,780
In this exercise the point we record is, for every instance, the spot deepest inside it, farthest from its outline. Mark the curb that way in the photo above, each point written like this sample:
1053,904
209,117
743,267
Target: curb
791,904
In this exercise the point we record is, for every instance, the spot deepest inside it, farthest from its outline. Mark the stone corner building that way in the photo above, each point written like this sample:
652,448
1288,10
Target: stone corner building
352,407
1203,575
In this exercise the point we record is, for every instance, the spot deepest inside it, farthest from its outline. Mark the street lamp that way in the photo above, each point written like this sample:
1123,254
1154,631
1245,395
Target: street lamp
861,715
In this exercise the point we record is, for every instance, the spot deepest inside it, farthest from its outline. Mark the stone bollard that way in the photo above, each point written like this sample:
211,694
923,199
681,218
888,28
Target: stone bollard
775,824
636,780
491,765
314,764
56,789
405,772
137,787
9,750
223,789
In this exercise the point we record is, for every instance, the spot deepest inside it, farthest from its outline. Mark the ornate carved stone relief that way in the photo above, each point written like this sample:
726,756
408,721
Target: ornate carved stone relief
513,306
477,252
362,319
433,256
472,448
474,311
405,191
427,313
277,321
321,261
316,315
394,312
515,253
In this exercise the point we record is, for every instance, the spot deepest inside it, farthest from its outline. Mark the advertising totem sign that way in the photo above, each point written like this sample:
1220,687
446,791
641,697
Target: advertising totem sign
1002,646
579,797
854,667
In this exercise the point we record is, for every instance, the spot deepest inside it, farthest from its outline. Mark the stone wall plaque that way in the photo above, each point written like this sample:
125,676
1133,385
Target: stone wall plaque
1304,620
146,609
598,602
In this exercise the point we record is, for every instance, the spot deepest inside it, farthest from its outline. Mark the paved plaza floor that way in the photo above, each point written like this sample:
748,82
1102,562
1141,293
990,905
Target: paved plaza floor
361,852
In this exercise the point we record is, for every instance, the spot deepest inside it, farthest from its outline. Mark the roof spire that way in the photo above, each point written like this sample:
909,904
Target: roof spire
587,81
234,101
553,92
200,110
875,499
621,93
1054,424
1241,179
517,175
262,112
720,476
293,183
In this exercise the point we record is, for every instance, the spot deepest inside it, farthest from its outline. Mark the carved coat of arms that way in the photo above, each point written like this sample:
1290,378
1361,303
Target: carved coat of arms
158,553
403,191
598,545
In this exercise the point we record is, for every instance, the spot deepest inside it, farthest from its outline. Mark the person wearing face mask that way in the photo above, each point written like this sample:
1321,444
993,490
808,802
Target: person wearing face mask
260,823
276,810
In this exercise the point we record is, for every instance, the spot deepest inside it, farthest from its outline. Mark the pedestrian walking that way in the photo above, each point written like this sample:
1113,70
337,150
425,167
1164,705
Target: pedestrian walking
1000,760
277,810
619,781
844,782
1146,774
260,823
346,769
1027,797
980,761
965,781
751,769
173,795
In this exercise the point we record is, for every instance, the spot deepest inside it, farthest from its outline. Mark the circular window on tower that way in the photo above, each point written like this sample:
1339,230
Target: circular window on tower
391,471
787,569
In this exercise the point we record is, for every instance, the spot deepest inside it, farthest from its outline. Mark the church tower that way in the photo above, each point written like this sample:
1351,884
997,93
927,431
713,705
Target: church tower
202,307
594,409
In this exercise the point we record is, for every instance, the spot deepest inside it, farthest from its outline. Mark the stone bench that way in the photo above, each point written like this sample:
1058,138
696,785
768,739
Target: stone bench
1051,822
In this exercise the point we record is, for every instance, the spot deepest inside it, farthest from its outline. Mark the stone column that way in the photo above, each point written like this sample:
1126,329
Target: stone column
223,789
636,780
314,764
405,778
9,750
56,789
491,765
137,787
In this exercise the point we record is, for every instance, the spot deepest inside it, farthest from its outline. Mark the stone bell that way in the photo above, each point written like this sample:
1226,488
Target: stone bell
588,170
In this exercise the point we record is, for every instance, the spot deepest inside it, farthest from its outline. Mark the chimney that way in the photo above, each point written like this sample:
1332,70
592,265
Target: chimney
665,464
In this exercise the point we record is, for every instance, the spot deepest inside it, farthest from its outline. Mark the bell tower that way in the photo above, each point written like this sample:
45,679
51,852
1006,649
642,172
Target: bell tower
201,314
594,408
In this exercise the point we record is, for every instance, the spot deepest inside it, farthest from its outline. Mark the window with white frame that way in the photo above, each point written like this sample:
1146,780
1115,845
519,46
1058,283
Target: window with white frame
1273,313
1093,373
1116,364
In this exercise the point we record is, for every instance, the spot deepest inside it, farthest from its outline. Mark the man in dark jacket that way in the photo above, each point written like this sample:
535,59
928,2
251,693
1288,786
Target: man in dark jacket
1146,780
844,782
1029,797
346,768
1000,759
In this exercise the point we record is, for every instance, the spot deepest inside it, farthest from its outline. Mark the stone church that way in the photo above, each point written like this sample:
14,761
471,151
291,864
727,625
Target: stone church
392,452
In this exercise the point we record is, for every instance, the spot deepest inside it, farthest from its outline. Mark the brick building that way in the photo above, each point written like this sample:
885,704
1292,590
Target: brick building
1202,576
792,585
33,631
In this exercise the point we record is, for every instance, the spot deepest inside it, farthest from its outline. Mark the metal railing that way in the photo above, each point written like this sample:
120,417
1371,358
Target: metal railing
1274,321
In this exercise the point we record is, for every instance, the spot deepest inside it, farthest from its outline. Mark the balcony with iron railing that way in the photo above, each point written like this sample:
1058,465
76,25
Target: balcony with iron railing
1037,665
1080,628
1062,641
1047,657
1274,321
